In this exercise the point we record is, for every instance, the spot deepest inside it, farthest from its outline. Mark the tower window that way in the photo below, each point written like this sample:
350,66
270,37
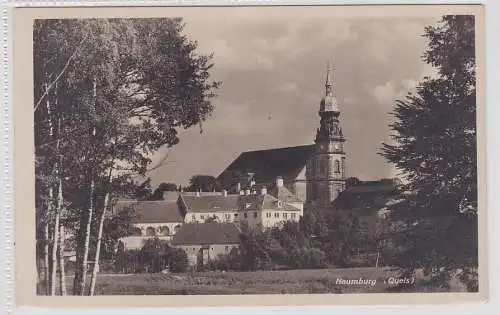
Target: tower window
337,166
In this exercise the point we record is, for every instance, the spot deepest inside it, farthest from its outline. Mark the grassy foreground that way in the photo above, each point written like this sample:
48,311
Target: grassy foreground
259,282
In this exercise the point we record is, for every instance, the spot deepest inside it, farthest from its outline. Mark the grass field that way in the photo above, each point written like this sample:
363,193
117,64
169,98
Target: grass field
259,282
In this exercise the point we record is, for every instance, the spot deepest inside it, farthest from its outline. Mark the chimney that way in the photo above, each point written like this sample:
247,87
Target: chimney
279,181
247,192
224,192
263,190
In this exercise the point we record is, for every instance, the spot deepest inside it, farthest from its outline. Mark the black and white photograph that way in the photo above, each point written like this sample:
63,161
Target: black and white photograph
256,151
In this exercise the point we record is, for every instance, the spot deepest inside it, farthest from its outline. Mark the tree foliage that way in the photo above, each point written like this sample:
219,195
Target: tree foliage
108,93
158,193
435,147
202,183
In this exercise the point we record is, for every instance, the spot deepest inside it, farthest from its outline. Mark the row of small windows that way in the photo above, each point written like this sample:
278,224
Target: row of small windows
284,215
227,216
226,249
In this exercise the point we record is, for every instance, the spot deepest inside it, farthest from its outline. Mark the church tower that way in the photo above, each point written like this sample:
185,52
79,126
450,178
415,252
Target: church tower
328,164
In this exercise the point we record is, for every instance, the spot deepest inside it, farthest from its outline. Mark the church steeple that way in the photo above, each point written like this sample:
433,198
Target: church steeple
329,112
328,83
328,102
327,168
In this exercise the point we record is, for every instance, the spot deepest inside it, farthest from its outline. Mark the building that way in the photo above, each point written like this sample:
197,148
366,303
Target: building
205,241
256,207
368,194
160,219
313,173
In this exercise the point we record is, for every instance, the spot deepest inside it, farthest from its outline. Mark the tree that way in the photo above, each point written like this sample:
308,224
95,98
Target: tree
352,181
158,193
202,182
435,147
122,87
117,226
177,260
229,180
143,191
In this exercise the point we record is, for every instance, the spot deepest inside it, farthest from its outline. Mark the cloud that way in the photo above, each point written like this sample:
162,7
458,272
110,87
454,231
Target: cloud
287,87
384,94
273,72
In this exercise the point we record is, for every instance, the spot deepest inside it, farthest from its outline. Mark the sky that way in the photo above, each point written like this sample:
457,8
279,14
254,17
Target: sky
273,72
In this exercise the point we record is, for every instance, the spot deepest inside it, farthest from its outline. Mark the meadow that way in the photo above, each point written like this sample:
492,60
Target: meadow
305,281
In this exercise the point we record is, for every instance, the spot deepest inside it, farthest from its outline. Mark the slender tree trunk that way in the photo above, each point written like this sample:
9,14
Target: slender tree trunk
49,269
55,245
62,274
98,247
46,253
87,239
84,267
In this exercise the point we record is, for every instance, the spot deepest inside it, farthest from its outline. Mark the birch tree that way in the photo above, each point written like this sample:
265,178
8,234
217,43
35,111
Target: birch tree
127,87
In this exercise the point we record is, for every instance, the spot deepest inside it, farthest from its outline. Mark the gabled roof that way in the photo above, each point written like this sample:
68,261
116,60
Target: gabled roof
268,164
210,203
152,211
207,233
233,203
283,194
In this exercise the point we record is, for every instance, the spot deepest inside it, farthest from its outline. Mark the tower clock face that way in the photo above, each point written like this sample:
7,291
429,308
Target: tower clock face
337,146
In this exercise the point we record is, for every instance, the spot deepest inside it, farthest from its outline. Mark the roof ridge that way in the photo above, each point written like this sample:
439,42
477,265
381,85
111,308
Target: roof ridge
281,148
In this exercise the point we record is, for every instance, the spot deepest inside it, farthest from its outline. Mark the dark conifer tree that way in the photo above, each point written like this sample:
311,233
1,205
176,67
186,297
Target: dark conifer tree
435,147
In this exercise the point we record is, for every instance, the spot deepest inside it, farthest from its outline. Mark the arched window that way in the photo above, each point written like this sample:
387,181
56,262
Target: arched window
337,166
150,231
164,231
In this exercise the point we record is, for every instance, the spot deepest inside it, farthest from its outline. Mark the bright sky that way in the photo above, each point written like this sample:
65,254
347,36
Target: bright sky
273,73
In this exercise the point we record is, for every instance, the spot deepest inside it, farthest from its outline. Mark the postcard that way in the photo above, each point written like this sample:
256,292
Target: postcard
249,155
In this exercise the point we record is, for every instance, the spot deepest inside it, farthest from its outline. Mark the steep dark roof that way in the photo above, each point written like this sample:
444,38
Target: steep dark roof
268,164
152,211
206,233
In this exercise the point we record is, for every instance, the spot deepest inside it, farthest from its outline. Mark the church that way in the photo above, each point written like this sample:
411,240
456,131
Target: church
315,173
266,188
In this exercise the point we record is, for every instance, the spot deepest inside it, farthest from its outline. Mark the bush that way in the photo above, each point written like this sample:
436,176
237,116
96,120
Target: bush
177,260
155,256
307,258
